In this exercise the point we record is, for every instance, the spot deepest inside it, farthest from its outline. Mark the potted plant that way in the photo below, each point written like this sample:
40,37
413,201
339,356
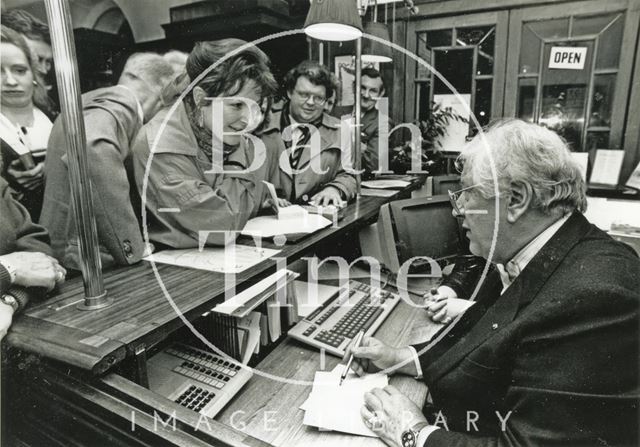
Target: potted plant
432,130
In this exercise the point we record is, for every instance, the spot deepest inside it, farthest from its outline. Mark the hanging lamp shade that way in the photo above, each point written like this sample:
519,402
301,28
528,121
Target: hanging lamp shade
374,51
334,20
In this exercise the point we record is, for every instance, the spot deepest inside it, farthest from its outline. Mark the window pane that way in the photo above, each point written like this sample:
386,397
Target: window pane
482,105
529,51
597,140
440,38
472,36
563,111
526,98
422,92
456,66
486,50
423,53
609,44
591,24
603,91
551,29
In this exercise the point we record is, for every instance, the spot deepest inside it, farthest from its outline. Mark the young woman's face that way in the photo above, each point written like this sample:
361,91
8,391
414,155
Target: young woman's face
17,77
241,113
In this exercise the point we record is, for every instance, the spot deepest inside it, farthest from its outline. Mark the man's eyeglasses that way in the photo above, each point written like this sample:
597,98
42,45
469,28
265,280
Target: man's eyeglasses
454,198
317,100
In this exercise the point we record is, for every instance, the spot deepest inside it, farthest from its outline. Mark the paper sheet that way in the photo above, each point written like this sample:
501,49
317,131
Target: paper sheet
605,213
385,184
337,407
634,178
582,158
606,168
269,226
214,259
247,300
457,131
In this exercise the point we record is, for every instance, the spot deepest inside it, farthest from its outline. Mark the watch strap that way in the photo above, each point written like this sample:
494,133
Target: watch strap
409,438
10,300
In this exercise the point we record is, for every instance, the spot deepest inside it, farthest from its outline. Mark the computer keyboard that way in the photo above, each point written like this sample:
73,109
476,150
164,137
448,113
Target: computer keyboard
352,309
196,379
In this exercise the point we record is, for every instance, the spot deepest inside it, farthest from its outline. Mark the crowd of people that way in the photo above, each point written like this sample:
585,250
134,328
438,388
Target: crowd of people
554,326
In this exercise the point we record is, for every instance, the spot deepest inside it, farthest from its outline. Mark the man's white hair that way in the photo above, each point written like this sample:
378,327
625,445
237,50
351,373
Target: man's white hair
151,68
529,154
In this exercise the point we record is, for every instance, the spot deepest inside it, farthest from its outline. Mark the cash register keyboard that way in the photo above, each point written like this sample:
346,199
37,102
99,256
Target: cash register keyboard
196,379
352,309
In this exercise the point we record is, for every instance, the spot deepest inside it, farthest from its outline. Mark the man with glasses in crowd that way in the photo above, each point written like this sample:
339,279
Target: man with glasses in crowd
308,140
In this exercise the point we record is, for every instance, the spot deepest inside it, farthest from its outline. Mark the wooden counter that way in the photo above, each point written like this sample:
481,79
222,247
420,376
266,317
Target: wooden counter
141,314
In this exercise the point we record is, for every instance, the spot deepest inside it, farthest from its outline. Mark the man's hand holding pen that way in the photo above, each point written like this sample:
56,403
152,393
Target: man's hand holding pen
372,354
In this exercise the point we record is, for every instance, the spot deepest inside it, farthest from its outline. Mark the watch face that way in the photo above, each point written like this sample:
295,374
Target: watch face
408,439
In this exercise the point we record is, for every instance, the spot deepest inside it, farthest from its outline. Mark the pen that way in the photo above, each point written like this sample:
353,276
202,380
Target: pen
358,340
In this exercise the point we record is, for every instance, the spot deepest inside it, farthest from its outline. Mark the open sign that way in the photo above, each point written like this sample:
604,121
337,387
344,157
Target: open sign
568,58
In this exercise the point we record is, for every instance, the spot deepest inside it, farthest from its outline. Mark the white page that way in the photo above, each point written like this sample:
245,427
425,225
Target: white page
214,259
271,282
582,158
385,184
606,168
269,226
634,179
332,406
605,213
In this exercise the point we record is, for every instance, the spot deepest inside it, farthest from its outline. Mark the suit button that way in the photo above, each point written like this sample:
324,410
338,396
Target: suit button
494,326
305,198
128,250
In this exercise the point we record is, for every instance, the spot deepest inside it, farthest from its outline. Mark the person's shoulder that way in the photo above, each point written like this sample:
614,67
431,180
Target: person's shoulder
115,100
330,122
169,131
273,119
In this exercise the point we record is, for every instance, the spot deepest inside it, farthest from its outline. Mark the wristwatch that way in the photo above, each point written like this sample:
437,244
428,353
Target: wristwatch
409,437
10,300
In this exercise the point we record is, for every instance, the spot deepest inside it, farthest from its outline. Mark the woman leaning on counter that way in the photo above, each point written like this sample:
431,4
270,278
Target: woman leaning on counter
180,158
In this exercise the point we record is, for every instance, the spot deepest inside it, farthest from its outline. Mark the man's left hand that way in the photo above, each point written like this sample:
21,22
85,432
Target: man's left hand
328,196
388,413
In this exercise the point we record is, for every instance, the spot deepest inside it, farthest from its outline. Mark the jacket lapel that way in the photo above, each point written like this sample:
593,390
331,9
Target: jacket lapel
520,293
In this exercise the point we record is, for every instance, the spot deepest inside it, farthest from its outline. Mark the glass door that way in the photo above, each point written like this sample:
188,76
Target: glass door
564,71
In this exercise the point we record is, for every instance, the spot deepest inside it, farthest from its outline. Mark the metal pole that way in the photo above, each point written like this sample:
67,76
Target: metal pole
64,53
358,118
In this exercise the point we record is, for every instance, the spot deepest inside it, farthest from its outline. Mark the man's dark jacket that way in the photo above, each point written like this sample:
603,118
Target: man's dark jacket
558,349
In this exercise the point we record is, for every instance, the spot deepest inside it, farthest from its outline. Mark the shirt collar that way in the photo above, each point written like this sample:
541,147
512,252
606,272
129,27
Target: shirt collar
139,106
516,265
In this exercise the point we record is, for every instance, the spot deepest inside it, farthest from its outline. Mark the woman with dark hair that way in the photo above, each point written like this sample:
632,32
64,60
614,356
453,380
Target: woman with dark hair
24,127
197,166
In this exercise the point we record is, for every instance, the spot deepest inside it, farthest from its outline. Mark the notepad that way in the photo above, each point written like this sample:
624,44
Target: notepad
332,406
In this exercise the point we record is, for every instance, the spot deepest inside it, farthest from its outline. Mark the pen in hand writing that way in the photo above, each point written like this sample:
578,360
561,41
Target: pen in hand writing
356,344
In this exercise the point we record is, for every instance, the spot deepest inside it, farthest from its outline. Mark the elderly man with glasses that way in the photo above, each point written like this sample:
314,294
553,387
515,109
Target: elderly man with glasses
548,353
308,140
